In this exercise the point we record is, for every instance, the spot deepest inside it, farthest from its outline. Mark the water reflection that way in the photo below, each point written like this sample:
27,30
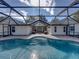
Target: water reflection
39,48
34,54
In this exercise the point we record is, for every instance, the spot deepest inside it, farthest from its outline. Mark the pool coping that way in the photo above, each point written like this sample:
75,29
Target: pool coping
41,35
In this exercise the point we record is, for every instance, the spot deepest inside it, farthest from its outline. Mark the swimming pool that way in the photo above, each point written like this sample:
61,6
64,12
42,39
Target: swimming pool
38,48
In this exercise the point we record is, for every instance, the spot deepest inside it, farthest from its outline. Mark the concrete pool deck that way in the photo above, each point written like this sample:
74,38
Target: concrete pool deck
28,37
48,36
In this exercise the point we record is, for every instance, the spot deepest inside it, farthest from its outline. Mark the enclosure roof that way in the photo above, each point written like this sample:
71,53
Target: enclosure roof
21,9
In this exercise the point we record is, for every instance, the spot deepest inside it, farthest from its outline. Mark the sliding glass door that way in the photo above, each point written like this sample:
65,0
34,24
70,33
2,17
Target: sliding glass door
40,29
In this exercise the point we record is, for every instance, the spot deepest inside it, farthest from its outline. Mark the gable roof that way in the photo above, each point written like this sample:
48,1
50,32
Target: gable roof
69,20
40,21
55,21
7,20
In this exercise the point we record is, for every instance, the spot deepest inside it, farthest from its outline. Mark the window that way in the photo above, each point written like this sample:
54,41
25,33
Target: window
55,29
72,28
13,29
64,29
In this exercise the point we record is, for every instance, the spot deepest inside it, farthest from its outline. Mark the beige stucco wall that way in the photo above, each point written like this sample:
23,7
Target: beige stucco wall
59,30
22,30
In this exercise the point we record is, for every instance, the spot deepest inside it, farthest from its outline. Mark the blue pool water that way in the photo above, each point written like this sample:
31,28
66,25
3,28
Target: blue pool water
38,48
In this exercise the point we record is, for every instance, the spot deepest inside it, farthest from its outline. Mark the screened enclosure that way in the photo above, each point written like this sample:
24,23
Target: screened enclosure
20,10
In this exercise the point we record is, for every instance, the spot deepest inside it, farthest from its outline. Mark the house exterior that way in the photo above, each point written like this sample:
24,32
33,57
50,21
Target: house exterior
4,27
55,27
73,26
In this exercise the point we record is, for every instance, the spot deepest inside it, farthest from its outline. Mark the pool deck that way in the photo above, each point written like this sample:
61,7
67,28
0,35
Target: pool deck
48,36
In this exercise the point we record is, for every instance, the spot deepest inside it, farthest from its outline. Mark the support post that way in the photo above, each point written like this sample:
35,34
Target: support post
74,30
10,30
3,30
68,30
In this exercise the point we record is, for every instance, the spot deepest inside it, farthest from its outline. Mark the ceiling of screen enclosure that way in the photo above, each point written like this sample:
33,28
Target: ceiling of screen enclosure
37,7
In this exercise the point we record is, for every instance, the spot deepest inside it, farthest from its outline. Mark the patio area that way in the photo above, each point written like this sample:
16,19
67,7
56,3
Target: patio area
70,38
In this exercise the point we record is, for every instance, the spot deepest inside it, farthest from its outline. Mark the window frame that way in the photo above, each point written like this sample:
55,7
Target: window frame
72,28
55,29
64,29
13,28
